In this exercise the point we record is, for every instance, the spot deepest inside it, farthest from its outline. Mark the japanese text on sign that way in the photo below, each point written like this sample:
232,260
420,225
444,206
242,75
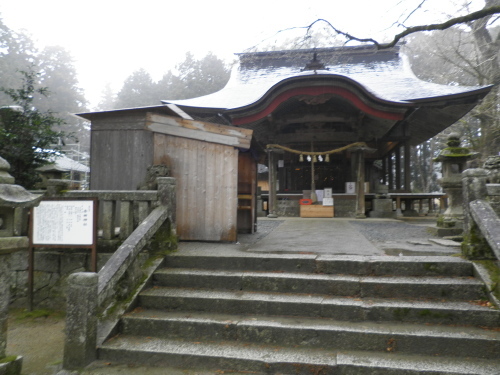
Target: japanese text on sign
63,222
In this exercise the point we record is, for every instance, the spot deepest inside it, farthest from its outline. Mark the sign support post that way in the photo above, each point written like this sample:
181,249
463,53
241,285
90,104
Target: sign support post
62,223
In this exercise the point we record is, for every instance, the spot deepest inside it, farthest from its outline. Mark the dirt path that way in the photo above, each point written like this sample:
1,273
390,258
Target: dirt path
39,338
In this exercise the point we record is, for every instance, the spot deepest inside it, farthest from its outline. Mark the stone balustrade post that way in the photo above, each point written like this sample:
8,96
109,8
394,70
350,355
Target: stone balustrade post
126,219
473,188
81,320
167,196
107,220
474,245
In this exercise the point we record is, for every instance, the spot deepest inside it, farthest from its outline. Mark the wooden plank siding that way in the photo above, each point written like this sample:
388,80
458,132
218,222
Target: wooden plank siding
206,176
120,158
203,157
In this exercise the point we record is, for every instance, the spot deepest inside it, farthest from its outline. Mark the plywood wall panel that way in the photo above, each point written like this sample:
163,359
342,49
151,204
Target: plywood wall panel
206,176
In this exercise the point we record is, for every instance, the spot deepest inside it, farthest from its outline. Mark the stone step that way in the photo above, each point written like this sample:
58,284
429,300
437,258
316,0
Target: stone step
224,357
324,306
327,264
316,333
459,288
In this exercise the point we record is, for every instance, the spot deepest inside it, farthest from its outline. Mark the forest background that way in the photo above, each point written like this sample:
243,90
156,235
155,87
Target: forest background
466,54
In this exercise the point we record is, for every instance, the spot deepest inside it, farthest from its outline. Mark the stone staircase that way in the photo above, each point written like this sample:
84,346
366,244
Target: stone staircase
311,314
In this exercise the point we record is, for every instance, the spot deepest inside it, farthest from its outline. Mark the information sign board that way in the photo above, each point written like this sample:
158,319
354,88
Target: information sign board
63,222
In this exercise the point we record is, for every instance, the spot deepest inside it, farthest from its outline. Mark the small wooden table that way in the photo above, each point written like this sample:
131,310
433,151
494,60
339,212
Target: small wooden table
316,210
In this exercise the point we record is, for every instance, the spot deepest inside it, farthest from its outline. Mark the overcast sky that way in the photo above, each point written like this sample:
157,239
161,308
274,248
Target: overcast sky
109,39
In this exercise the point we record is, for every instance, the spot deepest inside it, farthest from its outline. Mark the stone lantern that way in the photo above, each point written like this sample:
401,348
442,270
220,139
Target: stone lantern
13,200
454,161
12,197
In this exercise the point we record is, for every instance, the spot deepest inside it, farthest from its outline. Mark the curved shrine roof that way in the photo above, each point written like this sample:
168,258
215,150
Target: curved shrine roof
383,74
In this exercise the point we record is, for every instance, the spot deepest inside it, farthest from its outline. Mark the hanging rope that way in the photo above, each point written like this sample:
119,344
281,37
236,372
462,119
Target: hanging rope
356,144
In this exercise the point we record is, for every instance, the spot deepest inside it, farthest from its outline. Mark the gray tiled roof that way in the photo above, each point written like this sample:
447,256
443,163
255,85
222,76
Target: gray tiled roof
385,74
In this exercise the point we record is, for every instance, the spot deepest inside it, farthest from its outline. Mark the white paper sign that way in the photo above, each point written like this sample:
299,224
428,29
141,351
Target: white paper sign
63,222
327,201
328,192
319,195
350,188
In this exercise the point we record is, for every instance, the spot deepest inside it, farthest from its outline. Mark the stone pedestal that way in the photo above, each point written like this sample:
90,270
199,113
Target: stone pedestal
9,365
382,208
81,321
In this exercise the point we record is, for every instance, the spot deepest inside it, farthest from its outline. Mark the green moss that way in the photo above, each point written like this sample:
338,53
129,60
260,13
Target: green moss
443,222
431,267
164,241
36,314
401,313
119,302
10,358
494,273
475,246
434,315
456,152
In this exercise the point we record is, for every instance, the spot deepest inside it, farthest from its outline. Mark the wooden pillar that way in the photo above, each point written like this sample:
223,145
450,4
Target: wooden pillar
407,167
360,184
391,174
398,167
384,170
271,157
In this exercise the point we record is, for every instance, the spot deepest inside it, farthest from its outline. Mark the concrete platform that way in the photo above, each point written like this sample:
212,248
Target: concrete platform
335,236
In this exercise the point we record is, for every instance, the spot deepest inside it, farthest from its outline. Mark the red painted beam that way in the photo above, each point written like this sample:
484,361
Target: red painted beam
315,91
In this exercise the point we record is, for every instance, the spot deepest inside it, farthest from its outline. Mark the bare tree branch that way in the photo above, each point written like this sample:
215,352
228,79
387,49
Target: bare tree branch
413,12
485,12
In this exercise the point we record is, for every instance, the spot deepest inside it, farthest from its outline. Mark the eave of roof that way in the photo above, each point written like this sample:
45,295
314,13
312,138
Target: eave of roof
164,109
383,75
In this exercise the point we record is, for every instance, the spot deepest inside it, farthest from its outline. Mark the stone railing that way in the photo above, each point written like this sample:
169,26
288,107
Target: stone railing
481,242
95,301
120,211
481,216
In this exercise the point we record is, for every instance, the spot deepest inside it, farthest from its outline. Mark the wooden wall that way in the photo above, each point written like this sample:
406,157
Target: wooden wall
247,193
121,152
207,181
203,157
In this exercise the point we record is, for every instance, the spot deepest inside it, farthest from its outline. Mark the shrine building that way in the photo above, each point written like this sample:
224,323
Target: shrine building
341,119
